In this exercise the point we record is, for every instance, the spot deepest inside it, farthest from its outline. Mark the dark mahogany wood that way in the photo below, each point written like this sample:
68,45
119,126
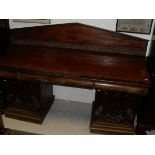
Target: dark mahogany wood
2,95
78,68
88,57
114,112
4,42
80,36
28,101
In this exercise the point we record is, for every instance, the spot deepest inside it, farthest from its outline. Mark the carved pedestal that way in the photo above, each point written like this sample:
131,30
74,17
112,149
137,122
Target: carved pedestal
114,113
28,101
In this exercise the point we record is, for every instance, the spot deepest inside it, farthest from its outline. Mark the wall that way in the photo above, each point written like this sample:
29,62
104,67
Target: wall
76,94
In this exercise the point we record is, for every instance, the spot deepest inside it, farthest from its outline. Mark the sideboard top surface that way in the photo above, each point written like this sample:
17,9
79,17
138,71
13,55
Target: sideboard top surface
75,63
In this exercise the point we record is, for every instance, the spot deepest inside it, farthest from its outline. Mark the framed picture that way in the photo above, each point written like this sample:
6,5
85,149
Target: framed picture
41,21
142,26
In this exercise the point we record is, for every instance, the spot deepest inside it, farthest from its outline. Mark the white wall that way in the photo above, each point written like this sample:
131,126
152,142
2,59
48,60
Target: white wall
76,94
102,23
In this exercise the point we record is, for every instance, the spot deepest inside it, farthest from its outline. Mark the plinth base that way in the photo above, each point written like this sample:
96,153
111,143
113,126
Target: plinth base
114,112
27,115
28,101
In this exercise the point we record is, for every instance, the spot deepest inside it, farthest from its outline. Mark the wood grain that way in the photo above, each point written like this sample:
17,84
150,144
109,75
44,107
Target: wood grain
71,63
82,56
80,36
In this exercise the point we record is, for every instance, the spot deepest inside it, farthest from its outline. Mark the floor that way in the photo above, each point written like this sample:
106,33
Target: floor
64,118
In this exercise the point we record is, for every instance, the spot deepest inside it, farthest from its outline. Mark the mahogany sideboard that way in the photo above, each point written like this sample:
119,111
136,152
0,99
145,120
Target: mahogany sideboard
77,55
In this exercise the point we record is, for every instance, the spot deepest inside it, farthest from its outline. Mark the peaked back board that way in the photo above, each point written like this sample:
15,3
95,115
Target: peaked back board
80,36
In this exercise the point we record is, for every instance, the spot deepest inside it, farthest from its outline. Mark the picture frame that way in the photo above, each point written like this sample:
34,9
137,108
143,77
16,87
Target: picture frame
142,26
40,21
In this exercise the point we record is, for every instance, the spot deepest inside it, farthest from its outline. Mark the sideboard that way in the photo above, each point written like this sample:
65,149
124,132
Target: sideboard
77,55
